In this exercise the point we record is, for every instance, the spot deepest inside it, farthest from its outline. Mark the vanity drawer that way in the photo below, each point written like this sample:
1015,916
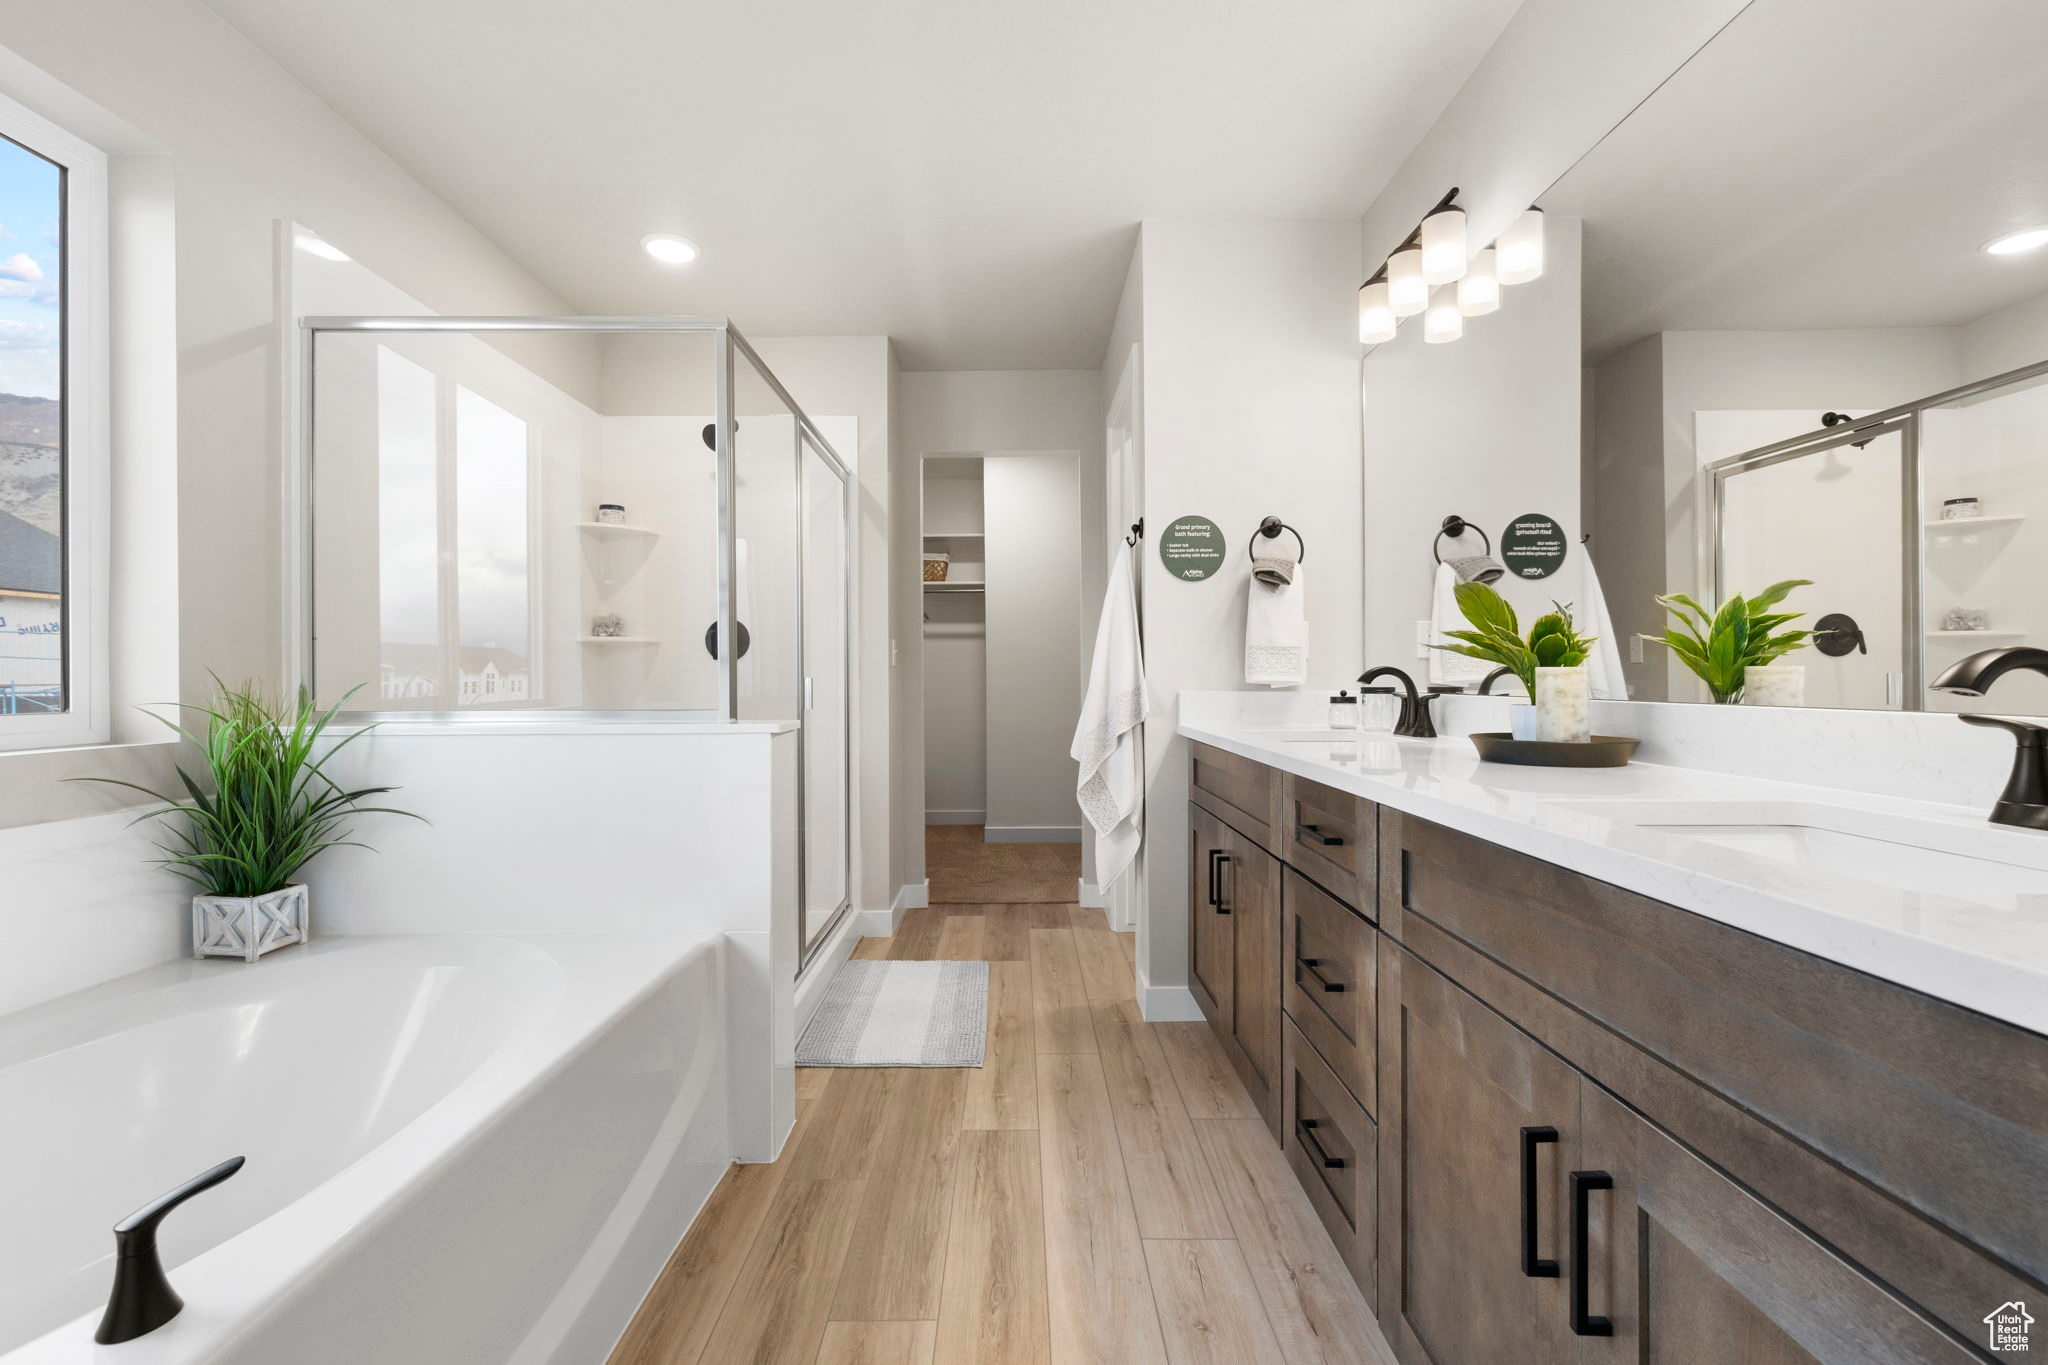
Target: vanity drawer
1331,977
1330,835
1333,1147
1238,791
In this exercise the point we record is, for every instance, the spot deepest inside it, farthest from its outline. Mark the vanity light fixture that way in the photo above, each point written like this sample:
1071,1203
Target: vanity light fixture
1443,246
1519,249
1479,291
2013,243
670,249
1376,320
1407,291
1443,321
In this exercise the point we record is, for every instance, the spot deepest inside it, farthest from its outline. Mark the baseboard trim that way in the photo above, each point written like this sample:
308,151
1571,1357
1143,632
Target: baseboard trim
1166,1004
1090,894
955,817
816,978
883,923
913,896
1031,834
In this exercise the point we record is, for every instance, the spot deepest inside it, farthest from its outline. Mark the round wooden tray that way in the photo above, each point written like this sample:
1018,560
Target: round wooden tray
1601,751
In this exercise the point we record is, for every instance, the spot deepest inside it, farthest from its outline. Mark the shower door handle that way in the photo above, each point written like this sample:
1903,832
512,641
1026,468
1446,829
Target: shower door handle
1895,690
807,694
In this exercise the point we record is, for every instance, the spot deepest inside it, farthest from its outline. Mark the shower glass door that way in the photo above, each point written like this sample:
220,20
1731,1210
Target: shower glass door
827,607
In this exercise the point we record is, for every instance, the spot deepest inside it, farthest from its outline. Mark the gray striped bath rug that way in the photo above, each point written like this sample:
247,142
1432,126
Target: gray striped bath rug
900,1014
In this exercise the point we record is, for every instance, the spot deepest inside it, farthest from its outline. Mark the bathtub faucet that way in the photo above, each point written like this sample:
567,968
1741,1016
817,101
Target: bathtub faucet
143,1299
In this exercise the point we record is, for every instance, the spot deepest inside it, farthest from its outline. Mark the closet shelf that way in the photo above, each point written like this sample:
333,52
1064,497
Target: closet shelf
1971,523
955,587
607,529
956,535
620,640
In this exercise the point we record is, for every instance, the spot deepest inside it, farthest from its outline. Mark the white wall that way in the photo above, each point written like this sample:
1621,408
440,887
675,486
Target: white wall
1251,381
1486,427
1034,643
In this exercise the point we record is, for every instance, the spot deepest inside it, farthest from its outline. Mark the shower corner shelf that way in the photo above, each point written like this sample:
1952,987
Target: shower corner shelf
606,529
1976,635
622,640
1972,523
956,535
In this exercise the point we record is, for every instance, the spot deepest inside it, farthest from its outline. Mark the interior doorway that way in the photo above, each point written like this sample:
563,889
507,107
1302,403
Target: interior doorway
1001,537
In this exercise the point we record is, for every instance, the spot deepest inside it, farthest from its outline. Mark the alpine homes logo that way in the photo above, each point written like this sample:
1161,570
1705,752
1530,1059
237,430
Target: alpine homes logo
2008,1324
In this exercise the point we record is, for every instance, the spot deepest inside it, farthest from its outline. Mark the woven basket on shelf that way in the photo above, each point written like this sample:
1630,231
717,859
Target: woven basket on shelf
935,567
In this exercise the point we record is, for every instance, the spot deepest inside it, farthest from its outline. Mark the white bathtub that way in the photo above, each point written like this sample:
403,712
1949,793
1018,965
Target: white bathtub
460,1149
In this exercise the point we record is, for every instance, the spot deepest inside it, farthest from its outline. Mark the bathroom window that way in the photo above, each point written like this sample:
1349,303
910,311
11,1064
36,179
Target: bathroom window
52,452
455,600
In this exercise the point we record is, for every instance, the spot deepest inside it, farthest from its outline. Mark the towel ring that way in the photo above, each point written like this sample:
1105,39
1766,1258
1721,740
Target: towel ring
1271,528
1455,526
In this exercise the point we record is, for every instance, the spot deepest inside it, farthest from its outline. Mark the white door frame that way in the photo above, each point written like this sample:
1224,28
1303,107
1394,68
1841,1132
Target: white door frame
1124,487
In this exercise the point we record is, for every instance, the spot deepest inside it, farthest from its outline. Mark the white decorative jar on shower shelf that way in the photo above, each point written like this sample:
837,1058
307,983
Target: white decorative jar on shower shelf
1564,705
1774,685
250,926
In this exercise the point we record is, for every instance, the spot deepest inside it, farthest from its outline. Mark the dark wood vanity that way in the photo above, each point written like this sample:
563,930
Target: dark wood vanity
1545,1119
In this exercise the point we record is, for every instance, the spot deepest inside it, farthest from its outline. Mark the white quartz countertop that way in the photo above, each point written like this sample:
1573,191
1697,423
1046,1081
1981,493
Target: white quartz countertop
1979,939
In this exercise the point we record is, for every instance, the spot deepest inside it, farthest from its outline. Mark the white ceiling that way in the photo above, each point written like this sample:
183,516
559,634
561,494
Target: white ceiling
963,175
1823,164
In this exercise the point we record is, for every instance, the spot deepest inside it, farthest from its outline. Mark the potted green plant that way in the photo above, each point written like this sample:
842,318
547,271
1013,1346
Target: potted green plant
267,806
1723,646
1549,660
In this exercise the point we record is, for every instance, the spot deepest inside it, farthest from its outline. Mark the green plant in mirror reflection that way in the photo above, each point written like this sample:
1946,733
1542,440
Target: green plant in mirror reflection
1496,635
271,805
1743,634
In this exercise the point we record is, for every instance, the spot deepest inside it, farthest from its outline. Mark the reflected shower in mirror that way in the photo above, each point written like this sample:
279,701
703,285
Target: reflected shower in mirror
1809,354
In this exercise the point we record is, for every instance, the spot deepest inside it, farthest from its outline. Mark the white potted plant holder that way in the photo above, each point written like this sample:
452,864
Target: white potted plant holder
1774,685
250,926
1564,707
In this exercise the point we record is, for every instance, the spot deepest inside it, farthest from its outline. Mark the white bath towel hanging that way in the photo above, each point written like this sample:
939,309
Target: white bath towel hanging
1604,677
1109,740
1444,666
1276,632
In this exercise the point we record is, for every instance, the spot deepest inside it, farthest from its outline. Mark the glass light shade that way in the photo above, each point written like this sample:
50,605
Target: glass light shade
1479,291
1407,294
1443,321
1376,320
1443,247
1519,251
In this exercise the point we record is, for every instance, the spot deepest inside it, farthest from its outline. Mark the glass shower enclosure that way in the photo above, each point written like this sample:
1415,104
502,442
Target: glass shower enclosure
573,516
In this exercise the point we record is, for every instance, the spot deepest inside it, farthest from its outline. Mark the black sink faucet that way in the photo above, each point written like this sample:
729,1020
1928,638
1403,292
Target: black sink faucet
1486,683
1415,721
2024,802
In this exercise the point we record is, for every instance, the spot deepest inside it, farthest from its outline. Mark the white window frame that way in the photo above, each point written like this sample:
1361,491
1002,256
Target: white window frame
87,563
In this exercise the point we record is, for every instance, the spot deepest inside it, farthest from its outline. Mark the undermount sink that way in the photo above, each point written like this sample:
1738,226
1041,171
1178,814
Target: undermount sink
1990,865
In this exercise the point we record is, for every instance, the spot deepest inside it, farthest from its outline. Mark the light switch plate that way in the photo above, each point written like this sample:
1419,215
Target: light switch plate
1635,649
1424,633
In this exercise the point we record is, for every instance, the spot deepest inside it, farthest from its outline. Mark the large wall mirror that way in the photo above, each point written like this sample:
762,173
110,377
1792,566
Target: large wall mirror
1813,348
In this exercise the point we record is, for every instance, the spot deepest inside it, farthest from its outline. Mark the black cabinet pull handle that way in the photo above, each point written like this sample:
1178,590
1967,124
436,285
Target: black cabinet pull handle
1222,861
1532,1265
1309,834
1214,854
1306,1129
1583,1185
1309,965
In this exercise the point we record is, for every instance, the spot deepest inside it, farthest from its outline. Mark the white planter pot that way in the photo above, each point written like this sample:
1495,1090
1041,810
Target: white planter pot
1522,720
250,926
1774,685
1564,705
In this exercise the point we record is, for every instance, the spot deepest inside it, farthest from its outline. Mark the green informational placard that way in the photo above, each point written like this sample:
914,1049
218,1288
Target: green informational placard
1533,546
1192,548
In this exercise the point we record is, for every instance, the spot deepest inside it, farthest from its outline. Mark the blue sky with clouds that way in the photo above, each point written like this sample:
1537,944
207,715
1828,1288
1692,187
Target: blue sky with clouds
29,245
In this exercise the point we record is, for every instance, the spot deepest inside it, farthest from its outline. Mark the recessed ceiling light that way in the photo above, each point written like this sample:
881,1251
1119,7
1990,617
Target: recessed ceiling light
670,249
321,247
2012,243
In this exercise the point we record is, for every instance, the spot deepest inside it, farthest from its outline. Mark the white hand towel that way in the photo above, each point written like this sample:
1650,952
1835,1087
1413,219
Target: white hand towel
1109,740
1444,666
1276,632
1589,616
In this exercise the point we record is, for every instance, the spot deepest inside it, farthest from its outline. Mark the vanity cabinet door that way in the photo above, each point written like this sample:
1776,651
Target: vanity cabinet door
1209,924
1461,1090
1250,886
1689,1268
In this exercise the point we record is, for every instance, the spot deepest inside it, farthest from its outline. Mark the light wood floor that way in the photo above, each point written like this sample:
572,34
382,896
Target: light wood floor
1099,1191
